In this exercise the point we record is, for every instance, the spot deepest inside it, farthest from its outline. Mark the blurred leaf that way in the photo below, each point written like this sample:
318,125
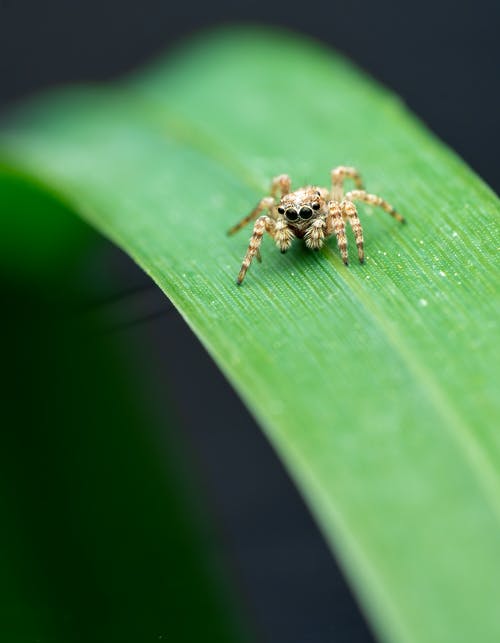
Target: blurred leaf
375,383
39,234
102,538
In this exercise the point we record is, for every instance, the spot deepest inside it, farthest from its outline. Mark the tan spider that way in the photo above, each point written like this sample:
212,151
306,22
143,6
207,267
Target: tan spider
310,213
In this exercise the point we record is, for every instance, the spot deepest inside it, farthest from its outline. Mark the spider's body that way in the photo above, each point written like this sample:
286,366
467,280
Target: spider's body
301,208
310,213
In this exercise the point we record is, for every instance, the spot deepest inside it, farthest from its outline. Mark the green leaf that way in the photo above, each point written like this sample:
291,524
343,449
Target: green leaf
102,538
375,383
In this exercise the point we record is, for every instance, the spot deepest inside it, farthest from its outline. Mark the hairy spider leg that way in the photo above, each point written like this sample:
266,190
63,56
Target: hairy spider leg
281,185
263,224
335,224
267,203
339,175
373,199
351,214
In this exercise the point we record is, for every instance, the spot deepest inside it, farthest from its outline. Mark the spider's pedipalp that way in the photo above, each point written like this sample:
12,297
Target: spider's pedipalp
339,175
315,234
283,236
267,203
349,211
335,223
373,199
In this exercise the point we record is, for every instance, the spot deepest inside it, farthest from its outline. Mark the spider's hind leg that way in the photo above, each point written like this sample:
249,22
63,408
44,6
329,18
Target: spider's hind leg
281,184
339,175
373,199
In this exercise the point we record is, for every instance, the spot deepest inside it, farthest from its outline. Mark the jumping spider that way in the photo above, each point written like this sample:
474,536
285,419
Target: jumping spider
310,213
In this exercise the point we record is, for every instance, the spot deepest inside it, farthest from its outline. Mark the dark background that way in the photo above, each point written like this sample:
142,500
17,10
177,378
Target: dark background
443,59
441,56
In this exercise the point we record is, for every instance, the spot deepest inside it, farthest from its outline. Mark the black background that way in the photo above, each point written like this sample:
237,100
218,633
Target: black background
443,59
441,56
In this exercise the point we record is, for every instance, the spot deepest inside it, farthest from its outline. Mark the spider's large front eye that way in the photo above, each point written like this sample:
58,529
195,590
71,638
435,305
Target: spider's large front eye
305,213
281,210
291,214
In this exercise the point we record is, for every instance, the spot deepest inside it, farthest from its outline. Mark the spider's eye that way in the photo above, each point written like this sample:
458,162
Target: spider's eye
281,210
315,206
305,213
291,214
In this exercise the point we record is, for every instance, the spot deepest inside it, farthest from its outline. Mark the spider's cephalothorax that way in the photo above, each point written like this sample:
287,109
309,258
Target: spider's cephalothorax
310,213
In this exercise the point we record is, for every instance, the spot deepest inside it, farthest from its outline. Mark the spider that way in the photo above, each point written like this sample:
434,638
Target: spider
310,213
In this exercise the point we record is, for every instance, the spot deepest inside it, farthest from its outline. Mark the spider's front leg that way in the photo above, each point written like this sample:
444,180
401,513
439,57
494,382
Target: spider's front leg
267,203
261,225
280,232
280,185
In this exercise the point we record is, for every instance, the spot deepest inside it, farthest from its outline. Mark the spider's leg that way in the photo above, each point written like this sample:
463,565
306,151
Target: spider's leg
266,203
335,223
339,175
349,211
373,199
263,224
281,184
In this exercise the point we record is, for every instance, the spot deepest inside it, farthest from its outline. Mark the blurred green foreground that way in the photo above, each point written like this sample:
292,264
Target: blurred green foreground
100,538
